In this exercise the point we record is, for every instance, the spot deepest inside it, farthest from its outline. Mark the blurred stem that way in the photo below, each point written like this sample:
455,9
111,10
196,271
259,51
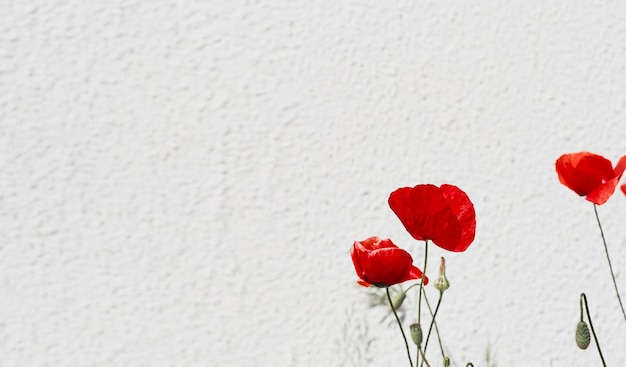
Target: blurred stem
400,326
593,331
411,286
608,258
423,357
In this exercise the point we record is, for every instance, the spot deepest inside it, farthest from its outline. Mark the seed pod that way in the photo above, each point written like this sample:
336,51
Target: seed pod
582,335
416,334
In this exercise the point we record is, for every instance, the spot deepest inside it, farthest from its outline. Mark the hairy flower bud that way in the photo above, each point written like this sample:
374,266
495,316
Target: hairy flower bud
416,333
446,361
442,282
398,299
582,335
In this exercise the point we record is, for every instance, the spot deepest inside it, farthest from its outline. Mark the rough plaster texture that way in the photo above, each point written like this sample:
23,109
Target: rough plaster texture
180,181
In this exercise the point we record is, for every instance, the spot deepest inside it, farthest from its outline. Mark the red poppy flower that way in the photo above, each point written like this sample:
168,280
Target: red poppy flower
381,263
443,214
590,175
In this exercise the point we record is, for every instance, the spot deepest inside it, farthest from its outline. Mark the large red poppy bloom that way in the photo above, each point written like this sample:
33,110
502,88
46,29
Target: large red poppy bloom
443,214
381,263
590,175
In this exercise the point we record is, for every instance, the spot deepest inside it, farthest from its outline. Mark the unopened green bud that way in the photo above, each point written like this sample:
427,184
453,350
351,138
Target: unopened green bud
416,334
398,299
582,335
446,361
442,282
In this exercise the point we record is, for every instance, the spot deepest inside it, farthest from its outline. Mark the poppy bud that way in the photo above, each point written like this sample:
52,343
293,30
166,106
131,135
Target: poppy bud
446,361
582,335
416,334
442,282
398,299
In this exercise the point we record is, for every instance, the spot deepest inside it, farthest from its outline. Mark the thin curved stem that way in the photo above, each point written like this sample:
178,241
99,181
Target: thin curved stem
400,326
411,286
593,331
443,355
432,321
423,357
608,258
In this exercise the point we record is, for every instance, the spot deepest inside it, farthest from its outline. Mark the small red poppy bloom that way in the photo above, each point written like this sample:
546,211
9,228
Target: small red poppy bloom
590,175
443,214
381,263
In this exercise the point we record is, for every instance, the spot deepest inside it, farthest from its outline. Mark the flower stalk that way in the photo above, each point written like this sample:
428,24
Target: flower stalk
583,297
608,258
442,284
408,352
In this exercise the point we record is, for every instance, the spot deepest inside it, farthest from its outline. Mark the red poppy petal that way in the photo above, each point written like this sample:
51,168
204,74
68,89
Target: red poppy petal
449,235
583,172
602,193
369,244
379,243
624,189
380,262
401,203
425,214
463,209
620,167
356,252
387,266
415,273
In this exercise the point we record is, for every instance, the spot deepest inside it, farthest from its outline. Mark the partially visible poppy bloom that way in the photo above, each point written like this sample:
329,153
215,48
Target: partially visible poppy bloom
381,263
590,175
443,214
624,189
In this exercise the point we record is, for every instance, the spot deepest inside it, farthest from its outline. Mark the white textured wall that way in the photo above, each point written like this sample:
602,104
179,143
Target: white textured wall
180,181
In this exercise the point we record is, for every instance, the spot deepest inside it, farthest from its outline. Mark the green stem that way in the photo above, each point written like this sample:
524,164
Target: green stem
593,331
436,326
608,258
419,302
432,321
417,355
411,286
401,329
423,357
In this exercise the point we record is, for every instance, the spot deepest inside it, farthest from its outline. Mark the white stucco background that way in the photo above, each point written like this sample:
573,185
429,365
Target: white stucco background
181,181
